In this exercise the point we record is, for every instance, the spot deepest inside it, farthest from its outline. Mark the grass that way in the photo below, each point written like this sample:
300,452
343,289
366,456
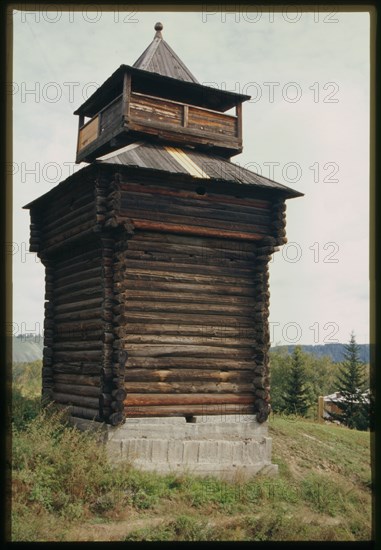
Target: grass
63,488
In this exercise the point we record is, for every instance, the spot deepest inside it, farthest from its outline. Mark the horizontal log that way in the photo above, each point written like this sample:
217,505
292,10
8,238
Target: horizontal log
149,195
78,355
196,364
204,259
153,284
205,252
87,272
76,389
82,234
141,350
80,412
195,241
69,220
199,209
78,305
142,399
65,201
80,379
213,196
79,336
153,273
96,282
191,229
200,329
71,327
172,265
169,388
190,318
79,345
85,253
93,314
186,375
181,340
239,410
79,400
191,307
50,241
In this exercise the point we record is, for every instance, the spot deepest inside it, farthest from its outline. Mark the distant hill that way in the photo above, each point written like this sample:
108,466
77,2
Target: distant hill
333,351
27,348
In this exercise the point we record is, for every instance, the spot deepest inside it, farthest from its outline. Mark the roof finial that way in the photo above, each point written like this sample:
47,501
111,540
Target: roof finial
158,29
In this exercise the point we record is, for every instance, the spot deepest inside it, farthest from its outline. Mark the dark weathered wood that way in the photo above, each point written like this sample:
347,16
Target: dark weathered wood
184,361
200,330
141,350
187,388
239,410
192,229
197,375
73,355
213,196
88,273
239,120
189,318
76,378
203,209
79,400
210,223
207,288
76,388
78,305
71,219
77,345
79,411
150,399
243,273
116,418
132,341
93,313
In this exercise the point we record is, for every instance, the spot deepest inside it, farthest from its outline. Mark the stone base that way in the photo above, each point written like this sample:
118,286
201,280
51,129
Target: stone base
229,447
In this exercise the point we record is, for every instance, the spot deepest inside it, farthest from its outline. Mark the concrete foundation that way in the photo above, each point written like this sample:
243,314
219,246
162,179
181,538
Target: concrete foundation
225,446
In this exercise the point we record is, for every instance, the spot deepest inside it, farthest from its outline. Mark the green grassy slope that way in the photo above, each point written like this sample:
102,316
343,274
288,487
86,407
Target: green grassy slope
64,490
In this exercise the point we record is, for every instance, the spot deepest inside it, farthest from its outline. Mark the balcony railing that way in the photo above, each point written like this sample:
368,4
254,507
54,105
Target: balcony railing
154,112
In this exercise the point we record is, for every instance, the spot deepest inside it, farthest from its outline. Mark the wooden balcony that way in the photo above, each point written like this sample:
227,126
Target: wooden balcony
134,116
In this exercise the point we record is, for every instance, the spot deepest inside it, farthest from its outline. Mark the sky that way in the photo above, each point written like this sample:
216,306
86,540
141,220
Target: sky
305,126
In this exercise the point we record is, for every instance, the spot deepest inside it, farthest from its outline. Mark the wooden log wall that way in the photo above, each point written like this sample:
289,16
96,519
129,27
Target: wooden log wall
157,298
62,233
47,354
187,321
78,328
69,216
161,208
193,315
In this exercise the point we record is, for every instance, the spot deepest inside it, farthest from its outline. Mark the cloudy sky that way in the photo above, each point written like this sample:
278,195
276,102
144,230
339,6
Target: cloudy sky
306,126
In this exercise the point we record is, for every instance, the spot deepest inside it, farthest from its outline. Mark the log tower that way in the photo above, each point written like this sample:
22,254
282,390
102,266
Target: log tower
156,257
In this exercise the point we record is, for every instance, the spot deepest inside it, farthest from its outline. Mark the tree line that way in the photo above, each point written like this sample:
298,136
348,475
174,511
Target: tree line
297,381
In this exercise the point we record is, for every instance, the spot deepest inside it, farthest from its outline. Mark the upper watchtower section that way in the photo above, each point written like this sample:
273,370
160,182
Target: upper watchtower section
158,99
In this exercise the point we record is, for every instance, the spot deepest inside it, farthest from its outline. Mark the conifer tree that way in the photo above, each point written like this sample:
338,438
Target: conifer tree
295,398
353,405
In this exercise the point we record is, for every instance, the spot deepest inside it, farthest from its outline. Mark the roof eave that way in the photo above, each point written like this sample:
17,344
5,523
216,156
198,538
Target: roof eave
113,79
